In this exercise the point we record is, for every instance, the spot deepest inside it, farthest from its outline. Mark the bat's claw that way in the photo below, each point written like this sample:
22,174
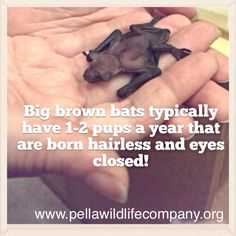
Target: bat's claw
186,51
85,53
181,53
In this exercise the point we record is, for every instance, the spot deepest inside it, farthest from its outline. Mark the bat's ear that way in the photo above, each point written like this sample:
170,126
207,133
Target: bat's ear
88,55
106,76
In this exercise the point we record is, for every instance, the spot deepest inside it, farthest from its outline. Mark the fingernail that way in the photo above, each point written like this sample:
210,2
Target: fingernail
223,81
224,121
196,17
189,137
108,186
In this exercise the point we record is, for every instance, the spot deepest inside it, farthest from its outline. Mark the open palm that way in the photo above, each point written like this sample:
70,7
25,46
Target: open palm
46,67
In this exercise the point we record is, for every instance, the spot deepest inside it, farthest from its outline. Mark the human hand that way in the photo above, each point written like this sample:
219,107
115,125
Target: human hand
46,66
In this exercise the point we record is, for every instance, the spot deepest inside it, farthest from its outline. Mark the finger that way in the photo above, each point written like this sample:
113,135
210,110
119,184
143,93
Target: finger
209,37
177,83
189,12
188,37
109,13
215,96
206,40
222,75
173,22
174,86
112,182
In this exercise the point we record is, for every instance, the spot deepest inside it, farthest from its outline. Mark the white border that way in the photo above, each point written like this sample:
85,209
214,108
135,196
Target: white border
3,115
124,3
183,229
232,117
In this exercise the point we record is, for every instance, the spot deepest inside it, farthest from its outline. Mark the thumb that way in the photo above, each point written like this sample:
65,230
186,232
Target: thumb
112,182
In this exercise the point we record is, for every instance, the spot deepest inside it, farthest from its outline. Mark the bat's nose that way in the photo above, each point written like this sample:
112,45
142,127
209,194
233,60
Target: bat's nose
87,76
90,77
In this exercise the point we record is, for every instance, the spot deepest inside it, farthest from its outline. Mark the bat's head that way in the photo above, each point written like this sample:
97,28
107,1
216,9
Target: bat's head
102,68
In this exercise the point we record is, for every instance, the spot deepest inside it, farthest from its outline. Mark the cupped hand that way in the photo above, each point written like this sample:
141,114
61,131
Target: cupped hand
46,66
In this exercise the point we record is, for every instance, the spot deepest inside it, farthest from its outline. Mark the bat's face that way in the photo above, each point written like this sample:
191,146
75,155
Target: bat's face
93,76
102,68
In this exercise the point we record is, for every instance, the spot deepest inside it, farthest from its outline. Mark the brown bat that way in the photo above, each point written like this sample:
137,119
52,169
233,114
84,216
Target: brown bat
136,52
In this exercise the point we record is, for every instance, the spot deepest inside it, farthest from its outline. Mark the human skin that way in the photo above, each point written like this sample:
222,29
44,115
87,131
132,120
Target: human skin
46,66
